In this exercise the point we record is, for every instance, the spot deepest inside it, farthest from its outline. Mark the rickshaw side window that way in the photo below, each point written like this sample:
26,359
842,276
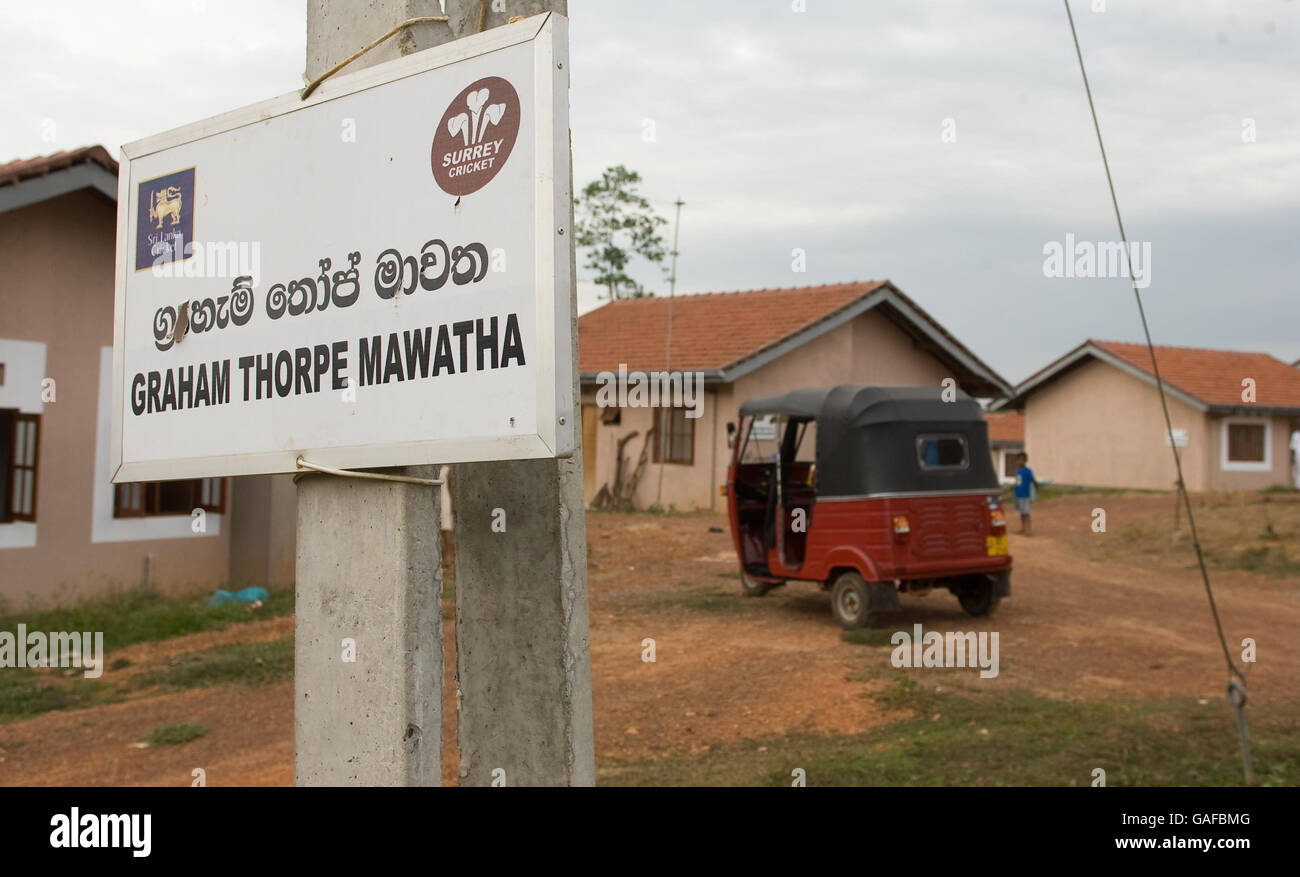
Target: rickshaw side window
942,452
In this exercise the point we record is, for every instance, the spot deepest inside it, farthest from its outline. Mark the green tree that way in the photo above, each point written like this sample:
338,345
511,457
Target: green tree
616,223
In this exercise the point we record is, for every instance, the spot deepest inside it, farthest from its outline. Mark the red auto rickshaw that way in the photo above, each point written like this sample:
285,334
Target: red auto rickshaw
894,491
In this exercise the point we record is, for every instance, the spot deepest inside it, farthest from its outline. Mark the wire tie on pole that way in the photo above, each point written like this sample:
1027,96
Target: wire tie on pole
423,19
1237,697
368,476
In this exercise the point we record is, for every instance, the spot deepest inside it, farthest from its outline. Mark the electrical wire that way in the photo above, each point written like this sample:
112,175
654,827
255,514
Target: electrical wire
1236,687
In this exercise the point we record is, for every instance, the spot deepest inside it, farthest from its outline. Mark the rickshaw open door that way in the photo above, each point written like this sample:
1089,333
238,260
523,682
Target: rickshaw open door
870,491
776,492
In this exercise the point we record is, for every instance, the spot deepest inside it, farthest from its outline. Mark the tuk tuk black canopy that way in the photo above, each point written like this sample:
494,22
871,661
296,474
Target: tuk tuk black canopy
871,440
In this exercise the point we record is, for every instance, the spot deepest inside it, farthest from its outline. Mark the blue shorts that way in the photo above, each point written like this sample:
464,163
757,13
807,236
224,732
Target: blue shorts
1022,504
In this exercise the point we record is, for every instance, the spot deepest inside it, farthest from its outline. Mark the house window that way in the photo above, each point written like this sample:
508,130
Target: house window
158,498
20,443
1009,463
1245,445
674,436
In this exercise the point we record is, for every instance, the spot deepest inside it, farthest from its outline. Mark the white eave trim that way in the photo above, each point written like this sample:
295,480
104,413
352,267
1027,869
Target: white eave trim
885,294
1110,359
88,175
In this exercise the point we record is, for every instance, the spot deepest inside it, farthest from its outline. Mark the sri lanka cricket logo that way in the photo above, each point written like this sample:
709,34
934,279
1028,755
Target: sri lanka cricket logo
165,220
166,204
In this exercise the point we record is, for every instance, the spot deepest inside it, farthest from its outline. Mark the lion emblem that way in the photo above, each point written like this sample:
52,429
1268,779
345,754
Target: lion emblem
166,203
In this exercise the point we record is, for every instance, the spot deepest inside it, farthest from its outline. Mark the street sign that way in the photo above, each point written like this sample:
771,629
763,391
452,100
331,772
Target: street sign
376,276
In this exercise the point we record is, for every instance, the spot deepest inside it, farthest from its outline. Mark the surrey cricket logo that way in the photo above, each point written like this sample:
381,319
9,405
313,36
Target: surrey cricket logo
164,222
475,136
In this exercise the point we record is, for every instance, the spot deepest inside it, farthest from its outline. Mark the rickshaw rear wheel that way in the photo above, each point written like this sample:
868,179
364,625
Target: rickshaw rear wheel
976,596
851,601
754,587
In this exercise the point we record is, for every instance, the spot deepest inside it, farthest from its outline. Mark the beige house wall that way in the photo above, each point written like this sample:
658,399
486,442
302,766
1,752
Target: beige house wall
867,350
1099,426
682,485
58,290
263,536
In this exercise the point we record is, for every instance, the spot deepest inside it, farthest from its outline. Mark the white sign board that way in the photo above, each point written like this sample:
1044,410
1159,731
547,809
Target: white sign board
763,428
378,275
1180,438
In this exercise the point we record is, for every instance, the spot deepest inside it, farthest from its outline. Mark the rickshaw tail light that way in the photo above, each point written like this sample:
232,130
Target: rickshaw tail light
901,527
999,519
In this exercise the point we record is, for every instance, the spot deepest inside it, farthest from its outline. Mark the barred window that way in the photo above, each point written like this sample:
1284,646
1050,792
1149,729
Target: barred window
20,443
156,498
1246,443
674,437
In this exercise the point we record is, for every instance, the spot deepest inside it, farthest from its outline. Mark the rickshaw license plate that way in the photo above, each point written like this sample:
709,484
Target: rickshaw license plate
995,545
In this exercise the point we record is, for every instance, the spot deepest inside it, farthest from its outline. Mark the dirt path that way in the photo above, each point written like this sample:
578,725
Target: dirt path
731,668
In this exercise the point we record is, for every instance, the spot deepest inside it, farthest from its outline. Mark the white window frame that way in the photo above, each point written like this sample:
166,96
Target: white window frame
1227,465
1001,464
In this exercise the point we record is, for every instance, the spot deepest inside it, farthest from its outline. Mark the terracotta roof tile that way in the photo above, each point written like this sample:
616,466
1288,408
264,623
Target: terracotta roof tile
1006,426
709,331
1215,376
27,168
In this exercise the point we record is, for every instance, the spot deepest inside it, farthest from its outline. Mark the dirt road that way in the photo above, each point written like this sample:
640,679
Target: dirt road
729,668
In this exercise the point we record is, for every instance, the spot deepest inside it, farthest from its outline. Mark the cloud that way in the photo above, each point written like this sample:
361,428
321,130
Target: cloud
822,130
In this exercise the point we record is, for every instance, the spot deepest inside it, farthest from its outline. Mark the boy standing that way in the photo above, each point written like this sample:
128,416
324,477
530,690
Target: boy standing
1025,486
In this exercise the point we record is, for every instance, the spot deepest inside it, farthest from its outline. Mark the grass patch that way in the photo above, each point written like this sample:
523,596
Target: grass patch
718,601
691,597
1052,491
143,616
868,636
241,663
1239,531
1272,561
140,616
172,735
25,692
1009,738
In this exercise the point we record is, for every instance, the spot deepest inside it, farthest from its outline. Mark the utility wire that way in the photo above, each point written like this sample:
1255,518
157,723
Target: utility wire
1236,687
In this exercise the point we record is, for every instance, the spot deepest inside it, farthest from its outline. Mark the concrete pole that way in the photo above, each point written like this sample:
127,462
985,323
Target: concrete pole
524,663
523,654
369,559
369,572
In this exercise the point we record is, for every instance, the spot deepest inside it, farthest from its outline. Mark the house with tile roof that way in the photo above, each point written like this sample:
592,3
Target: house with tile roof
1093,417
1007,439
743,345
65,531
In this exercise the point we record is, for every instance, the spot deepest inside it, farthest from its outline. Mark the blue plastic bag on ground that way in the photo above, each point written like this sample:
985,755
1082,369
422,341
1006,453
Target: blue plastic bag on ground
247,595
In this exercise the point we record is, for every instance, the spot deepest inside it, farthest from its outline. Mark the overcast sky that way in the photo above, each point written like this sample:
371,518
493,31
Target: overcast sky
823,130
